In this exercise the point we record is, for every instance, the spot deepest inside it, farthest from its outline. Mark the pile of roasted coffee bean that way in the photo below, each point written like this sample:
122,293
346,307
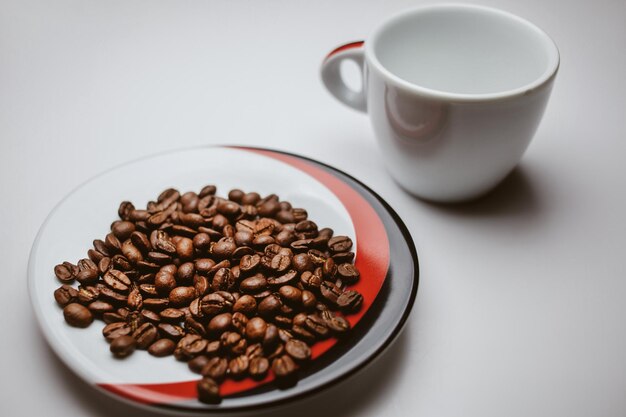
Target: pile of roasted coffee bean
234,286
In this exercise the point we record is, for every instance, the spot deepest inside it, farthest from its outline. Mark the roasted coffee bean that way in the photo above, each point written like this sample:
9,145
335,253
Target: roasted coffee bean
215,368
343,257
339,244
131,252
164,282
271,337
198,363
123,346
223,280
330,292
189,347
269,306
310,280
258,367
66,294
114,330
121,263
215,303
87,294
329,269
238,367
302,262
172,315
298,350
249,263
283,366
233,342
213,348
290,295
350,301
286,278
94,255
100,307
201,241
77,315
170,331
149,290
220,323
181,296
302,333
335,323
239,322
228,208
162,348
250,198
204,265
122,229
195,327
208,391
246,304
207,190
255,283
301,245
280,263
255,329
87,271
117,280
348,273
150,316
317,326
223,248
64,273
157,304
308,300
185,248
145,335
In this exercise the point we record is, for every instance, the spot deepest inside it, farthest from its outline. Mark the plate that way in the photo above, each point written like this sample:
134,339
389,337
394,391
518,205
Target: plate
385,255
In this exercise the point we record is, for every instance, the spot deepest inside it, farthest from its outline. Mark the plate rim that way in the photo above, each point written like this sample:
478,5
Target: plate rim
397,330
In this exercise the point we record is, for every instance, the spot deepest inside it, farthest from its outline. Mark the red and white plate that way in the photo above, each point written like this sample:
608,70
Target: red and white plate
385,255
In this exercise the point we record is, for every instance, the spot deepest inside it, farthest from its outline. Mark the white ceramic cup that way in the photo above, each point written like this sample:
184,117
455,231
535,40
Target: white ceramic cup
454,92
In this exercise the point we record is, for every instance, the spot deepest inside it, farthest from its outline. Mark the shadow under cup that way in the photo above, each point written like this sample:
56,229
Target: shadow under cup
455,94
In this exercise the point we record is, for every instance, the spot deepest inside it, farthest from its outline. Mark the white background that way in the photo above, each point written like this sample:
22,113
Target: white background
522,300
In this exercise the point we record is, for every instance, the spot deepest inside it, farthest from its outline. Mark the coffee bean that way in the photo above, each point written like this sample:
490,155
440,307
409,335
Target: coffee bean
238,367
269,306
220,323
117,280
145,335
157,304
150,316
308,300
170,331
340,244
66,294
123,346
77,315
246,304
164,282
283,366
131,252
208,391
181,296
280,263
286,278
198,363
258,367
215,303
189,347
330,292
348,273
298,350
255,283
350,301
290,295
303,334
337,324
255,329
64,273
114,330
317,326
215,368
185,273
223,280
87,271
98,308
223,248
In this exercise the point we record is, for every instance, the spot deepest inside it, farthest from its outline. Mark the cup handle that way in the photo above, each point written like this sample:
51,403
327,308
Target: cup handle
331,75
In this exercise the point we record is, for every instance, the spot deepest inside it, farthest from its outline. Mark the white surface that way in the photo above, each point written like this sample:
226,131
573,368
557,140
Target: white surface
521,306
88,211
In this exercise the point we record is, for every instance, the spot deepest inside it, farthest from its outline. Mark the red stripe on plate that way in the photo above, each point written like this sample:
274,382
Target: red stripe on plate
372,260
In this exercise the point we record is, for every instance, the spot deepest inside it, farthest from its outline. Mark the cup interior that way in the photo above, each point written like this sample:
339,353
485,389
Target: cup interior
461,49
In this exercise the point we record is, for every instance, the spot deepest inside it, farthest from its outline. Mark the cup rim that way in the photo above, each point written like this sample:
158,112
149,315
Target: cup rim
546,76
